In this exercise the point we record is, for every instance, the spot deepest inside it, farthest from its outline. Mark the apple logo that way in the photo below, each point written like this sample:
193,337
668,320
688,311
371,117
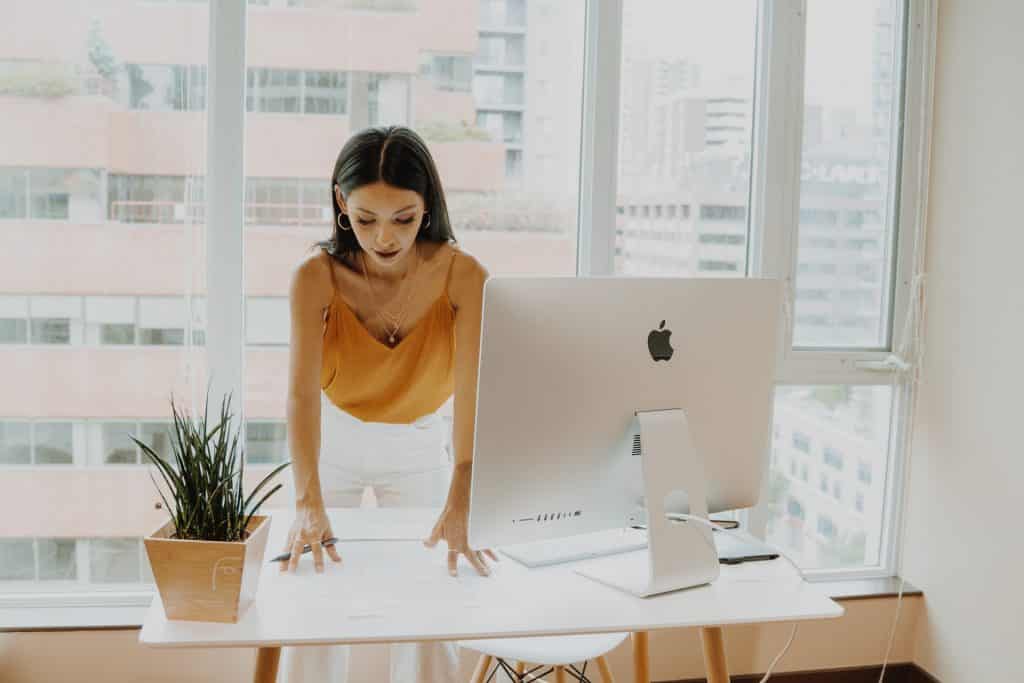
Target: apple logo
658,343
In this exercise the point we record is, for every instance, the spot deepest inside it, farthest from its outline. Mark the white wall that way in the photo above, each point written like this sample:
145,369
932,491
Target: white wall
964,543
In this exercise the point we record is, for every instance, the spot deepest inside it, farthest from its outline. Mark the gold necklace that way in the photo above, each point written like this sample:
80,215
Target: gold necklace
391,322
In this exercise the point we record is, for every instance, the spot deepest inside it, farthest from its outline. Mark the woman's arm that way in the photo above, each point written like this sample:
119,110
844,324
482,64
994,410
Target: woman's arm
307,300
468,298
466,292
309,292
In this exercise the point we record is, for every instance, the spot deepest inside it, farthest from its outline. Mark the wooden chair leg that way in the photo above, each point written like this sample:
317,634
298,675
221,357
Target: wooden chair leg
714,655
641,664
606,671
482,665
267,659
520,668
559,674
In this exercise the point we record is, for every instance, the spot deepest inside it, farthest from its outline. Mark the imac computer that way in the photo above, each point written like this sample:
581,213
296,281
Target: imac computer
604,402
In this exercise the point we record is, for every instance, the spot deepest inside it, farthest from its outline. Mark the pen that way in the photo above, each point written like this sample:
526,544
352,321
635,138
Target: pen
305,549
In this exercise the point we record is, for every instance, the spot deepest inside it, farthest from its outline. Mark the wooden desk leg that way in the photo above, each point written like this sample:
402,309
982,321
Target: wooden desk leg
482,665
714,655
559,674
641,658
266,664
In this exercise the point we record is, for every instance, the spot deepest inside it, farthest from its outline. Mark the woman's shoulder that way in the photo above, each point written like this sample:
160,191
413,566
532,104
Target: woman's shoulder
467,276
312,277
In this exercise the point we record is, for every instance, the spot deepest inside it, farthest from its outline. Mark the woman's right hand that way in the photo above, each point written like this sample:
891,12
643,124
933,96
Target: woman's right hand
311,526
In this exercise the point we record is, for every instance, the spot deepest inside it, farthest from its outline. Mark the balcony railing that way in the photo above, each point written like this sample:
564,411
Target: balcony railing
256,213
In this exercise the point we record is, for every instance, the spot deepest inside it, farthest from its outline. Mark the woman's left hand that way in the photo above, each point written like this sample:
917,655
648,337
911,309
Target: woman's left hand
453,527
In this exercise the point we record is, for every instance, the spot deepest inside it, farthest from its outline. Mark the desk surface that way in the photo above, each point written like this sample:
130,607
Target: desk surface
397,590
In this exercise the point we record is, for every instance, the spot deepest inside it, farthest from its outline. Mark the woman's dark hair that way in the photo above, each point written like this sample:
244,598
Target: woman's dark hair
397,156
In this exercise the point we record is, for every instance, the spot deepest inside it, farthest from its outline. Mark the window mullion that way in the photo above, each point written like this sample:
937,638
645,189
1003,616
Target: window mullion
600,138
775,172
916,112
225,143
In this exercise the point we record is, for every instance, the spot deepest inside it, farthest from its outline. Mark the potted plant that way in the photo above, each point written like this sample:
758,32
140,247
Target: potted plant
207,558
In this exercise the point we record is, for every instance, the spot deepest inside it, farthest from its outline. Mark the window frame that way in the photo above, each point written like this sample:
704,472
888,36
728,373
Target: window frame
773,204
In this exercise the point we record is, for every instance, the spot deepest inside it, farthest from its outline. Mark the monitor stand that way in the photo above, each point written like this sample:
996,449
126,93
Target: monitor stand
679,555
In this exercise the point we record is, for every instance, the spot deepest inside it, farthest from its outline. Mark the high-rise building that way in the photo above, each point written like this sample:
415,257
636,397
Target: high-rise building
102,221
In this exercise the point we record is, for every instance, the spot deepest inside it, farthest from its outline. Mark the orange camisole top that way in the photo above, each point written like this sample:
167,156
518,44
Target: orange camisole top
378,383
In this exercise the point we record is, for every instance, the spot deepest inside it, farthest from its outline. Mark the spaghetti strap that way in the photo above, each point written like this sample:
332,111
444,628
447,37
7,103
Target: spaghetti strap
448,277
330,269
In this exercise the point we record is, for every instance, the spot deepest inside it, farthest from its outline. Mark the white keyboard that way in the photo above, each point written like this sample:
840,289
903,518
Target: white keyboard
576,548
732,548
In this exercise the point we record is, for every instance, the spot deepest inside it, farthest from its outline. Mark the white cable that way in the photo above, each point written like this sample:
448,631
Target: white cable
678,516
892,631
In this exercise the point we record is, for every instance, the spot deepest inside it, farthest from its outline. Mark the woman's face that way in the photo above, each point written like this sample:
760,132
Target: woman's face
385,220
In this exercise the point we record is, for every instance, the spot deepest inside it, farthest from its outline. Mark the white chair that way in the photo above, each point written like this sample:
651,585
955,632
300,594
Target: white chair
528,659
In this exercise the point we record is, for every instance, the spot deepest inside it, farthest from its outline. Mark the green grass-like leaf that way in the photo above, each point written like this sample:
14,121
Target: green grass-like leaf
206,477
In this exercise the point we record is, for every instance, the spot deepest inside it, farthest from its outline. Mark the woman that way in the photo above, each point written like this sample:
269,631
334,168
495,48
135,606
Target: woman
386,323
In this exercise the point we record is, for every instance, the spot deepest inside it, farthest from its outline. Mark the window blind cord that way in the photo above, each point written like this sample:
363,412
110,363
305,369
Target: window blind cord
912,343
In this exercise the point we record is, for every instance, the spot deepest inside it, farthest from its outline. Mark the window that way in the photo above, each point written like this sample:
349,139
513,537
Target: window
723,213
825,527
859,419
113,444
850,101
685,116
276,91
52,443
499,90
699,94
454,73
505,13
56,320
500,50
162,87
15,442
713,238
833,458
154,198
265,442
864,472
50,194
13,320
502,126
386,97
294,91
801,442
325,92
110,320
37,559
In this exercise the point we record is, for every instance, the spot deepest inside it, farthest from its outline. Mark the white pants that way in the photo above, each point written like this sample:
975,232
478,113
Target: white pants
407,465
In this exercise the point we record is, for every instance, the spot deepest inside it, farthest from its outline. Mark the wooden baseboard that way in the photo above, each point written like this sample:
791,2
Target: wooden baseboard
894,673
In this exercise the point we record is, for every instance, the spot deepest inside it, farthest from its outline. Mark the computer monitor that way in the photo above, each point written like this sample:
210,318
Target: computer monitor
566,363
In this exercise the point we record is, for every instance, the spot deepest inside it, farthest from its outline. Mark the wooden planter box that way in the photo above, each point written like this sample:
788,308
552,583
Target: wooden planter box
207,580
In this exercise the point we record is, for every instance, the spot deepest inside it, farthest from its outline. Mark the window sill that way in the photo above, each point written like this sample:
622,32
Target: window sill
94,617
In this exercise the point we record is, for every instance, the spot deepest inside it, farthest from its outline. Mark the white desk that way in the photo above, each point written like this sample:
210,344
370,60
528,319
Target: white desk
398,590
